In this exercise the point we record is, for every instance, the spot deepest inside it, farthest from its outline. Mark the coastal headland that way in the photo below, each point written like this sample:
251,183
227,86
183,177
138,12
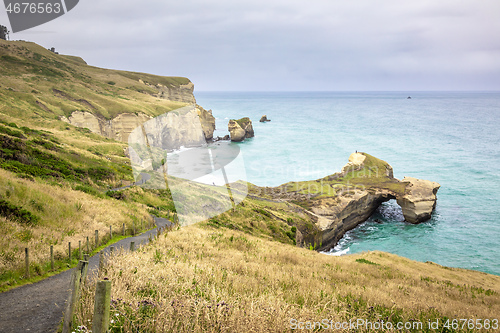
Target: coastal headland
339,202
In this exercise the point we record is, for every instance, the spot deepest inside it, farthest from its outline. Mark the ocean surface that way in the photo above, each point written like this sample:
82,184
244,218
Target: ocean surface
452,138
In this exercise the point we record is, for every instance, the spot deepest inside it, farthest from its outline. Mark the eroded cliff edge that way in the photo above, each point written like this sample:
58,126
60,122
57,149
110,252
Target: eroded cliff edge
339,202
120,127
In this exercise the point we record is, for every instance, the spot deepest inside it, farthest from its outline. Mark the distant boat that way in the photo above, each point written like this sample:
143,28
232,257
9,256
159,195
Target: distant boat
409,97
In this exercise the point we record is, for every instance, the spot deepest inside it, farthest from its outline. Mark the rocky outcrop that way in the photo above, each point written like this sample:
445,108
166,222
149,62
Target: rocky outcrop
207,122
246,124
419,200
340,202
181,93
85,120
264,119
240,129
171,130
356,161
347,213
222,138
120,127
236,133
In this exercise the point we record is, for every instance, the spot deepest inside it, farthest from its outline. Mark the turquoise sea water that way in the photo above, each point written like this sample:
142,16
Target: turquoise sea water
449,137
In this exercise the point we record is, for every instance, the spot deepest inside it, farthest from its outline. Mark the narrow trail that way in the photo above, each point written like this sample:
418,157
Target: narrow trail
39,307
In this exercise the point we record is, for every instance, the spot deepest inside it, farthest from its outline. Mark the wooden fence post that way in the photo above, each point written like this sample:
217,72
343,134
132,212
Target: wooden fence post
88,247
69,251
84,270
96,238
27,262
76,279
110,233
79,250
132,246
52,257
102,307
134,229
123,229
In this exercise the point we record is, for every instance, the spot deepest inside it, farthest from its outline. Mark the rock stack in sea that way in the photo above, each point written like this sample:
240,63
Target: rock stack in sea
240,129
419,200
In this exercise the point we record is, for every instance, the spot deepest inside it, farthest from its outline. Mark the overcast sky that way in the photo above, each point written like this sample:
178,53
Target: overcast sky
276,45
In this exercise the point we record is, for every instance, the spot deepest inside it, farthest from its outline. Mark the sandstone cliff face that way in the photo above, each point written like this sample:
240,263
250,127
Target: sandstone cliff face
174,129
207,122
236,133
181,93
419,200
118,128
121,126
240,129
347,213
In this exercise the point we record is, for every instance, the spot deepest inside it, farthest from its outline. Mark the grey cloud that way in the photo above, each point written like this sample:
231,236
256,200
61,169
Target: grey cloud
295,45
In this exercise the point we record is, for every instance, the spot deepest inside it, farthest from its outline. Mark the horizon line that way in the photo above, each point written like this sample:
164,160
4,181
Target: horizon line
347,91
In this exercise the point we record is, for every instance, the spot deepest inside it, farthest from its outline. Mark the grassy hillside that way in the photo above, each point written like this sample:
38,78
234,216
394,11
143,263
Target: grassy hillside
39,83
54,177
53,187
204,279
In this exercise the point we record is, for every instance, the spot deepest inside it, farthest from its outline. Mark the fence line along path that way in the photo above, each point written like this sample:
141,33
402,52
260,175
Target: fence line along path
39,307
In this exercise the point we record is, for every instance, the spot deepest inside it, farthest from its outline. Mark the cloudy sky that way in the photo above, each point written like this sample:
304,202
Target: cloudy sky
297,45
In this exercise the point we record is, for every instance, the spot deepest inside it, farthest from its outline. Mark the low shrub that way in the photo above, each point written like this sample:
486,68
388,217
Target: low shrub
18,214
118,195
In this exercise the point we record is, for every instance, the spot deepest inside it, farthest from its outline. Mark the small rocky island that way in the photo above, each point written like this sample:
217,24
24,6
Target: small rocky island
264,119
240,129
339,202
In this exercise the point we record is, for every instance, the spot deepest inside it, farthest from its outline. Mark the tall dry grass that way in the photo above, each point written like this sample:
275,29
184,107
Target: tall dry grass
65,215
204,280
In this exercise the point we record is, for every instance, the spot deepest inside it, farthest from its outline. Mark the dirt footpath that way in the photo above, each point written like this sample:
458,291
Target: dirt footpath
39,307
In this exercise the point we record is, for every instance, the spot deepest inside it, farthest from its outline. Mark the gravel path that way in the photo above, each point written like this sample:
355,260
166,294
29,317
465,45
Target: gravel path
39,307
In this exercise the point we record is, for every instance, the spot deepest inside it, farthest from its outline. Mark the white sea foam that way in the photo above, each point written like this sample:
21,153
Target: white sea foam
336,253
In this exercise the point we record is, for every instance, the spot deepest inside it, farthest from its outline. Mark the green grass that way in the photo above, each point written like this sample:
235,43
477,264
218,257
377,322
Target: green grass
155,79
38,154
365,261
243,122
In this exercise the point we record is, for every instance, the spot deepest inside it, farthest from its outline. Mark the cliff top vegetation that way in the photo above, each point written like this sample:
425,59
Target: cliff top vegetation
36,80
